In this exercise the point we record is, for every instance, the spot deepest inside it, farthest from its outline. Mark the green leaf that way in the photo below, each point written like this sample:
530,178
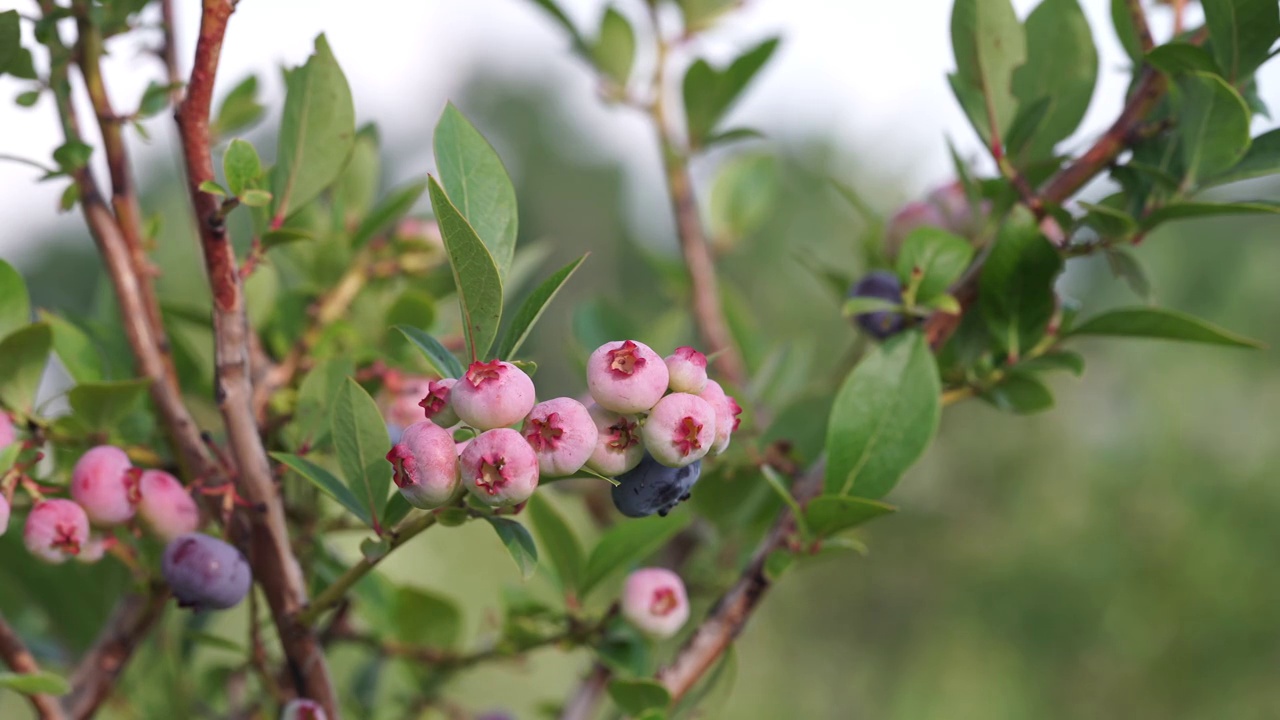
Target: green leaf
255,198
1124,265
388,211
709,92
361,440
702,14
213,188
1262,159
744,195
559,542
533,307
23,355
637,696
15,305
830,514
1126,32
939,256
38,683
1072,362
155,99
883,418
1242,32
284,236
77,351
1061,67
72,155
328,484
440,359
477,184
28,98
1109,221
989,45
1020,393
102,405
396,509
317,132
474,273
241,166
863,305
1177,58
1213,125
70,196
1016,288
239,109
775,482
519,543
1160,323
1190,210
10,40
425,619
357,187
627,543
615,49
559,15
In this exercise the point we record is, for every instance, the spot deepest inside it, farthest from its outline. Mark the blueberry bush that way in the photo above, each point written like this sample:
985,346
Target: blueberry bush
359,369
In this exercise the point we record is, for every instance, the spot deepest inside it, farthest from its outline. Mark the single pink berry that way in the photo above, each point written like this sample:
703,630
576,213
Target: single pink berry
4,513
435,403
626,376
165,506
7,432
56,530
680,429
562,434
105,485
425,462
688,370
654,600
499,468
492,394
303,709
726,410
618,447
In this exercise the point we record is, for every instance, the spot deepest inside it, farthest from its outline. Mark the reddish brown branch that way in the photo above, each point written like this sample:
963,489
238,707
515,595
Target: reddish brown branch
20,660
169,50
584,701
275,567
97,672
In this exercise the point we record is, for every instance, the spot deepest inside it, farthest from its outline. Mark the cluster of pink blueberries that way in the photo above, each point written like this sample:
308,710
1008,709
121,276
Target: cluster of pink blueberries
648,422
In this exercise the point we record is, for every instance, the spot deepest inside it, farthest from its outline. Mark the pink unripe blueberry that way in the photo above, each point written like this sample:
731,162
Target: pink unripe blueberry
492,394
165,506
618,446
688,370
626,376
204,572
425,463
4,513
680,429
654,600
104,484
435,403
303,709
727,411
56,530
499,467
562,434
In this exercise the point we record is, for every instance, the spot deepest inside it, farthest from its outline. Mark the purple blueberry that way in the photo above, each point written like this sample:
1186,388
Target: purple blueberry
205,573
882,285
652,487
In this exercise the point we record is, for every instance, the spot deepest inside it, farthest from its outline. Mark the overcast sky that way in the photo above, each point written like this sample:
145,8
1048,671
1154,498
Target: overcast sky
870,73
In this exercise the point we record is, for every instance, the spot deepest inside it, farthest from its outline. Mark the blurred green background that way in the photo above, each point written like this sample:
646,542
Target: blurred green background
1111,558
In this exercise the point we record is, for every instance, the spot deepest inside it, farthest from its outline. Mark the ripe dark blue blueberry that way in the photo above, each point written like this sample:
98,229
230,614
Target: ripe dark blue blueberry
205,573
652,487
882,285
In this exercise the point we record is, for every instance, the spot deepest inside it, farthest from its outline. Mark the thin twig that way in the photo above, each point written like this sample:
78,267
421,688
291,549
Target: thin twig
1138,17
169,51
584,701
20,660
96,675
275,567
708,311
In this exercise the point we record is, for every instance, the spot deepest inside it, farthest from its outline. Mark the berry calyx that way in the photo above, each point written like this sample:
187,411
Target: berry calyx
687,369
435,405
625,360
55,530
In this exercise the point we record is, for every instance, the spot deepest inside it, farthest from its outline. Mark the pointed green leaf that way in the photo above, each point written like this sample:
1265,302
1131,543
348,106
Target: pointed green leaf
1191,210
627,543
1262,159
426,619
637,696
102,405
37,683
709,92
518,542
863,305
1177,58
23,355
1242,33
396,509
77,351
477,184
1016,287
615,48
830,514
1160,323
1072,362
357,187
1213,125
1021,393
241,166
939,256
361,440
317,132
328,484
1126,32
559,15
388,211
558,541
475,275
531,311
440,359
239,109
989,44
883,418
1061,67
15,305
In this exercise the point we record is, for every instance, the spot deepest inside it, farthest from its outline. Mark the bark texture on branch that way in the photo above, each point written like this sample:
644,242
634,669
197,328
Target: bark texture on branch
20,660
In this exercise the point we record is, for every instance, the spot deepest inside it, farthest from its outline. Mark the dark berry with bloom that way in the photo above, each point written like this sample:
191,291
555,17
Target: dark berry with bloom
205,573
